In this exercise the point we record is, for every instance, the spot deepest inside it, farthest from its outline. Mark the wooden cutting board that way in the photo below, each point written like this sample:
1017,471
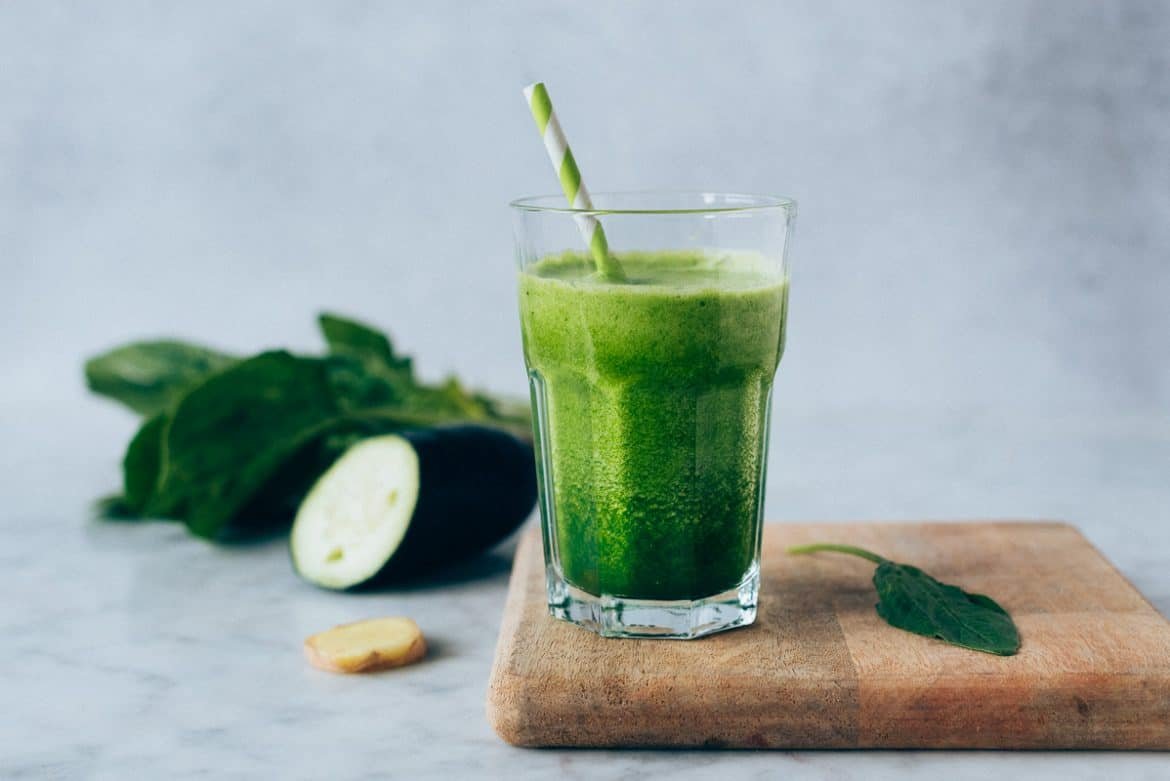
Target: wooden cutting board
820,669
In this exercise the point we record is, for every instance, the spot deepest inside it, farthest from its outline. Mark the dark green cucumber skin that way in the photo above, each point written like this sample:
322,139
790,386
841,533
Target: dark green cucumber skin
476,486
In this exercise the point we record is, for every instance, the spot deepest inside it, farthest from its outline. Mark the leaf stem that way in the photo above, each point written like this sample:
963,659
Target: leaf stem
818,547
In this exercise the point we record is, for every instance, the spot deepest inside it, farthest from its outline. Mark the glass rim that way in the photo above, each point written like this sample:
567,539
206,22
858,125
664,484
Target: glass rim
748,202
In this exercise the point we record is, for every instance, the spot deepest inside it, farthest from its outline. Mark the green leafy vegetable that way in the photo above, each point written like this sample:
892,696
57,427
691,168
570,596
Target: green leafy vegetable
349,337
231,433
366,372
148,377
113,508
910,599
230,446
141,466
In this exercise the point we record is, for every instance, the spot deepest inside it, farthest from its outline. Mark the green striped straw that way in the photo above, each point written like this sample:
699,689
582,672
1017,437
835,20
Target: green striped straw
566,167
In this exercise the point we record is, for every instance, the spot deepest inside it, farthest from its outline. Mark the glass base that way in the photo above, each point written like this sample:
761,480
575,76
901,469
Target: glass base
683,619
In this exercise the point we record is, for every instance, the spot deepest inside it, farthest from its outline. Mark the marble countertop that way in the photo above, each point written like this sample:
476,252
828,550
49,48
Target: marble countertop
136,651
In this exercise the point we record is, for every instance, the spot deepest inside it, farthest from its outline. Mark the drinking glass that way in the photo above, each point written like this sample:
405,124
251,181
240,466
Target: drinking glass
651,396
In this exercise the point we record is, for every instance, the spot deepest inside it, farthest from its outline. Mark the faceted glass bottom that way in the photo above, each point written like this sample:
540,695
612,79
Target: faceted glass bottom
685,619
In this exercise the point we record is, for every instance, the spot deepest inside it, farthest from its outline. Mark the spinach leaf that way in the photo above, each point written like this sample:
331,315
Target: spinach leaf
113,508
230,434
148,377
141,465
230,446
363,368
349,337
910,599
273,505
356,385
365,372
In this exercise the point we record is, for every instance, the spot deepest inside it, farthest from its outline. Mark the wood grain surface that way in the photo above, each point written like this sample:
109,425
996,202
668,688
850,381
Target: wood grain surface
820,669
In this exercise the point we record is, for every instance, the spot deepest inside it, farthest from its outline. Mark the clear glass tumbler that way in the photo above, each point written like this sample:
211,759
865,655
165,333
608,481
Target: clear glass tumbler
651,392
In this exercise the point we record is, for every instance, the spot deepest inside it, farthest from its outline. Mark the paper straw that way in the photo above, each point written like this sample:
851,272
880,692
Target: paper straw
563,163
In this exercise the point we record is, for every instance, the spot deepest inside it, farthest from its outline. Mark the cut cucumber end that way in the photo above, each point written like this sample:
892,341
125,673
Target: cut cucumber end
357,513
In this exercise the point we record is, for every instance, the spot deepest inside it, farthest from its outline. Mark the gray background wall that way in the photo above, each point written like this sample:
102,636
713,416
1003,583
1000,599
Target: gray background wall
984,188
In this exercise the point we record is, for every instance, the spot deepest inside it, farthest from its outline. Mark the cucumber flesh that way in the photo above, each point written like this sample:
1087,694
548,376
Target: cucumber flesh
356,515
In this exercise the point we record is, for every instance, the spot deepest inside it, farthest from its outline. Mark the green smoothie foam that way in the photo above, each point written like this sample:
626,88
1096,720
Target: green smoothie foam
653,396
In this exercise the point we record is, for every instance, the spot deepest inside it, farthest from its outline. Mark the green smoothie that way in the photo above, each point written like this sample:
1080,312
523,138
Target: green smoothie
652,400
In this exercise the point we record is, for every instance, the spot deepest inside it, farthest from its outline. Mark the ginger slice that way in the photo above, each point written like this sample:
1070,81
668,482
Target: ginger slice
367,646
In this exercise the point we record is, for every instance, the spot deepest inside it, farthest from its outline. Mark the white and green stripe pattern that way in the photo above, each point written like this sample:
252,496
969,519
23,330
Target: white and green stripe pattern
566,167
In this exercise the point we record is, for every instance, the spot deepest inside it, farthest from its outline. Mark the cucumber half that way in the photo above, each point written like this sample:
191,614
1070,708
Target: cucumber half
402,505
